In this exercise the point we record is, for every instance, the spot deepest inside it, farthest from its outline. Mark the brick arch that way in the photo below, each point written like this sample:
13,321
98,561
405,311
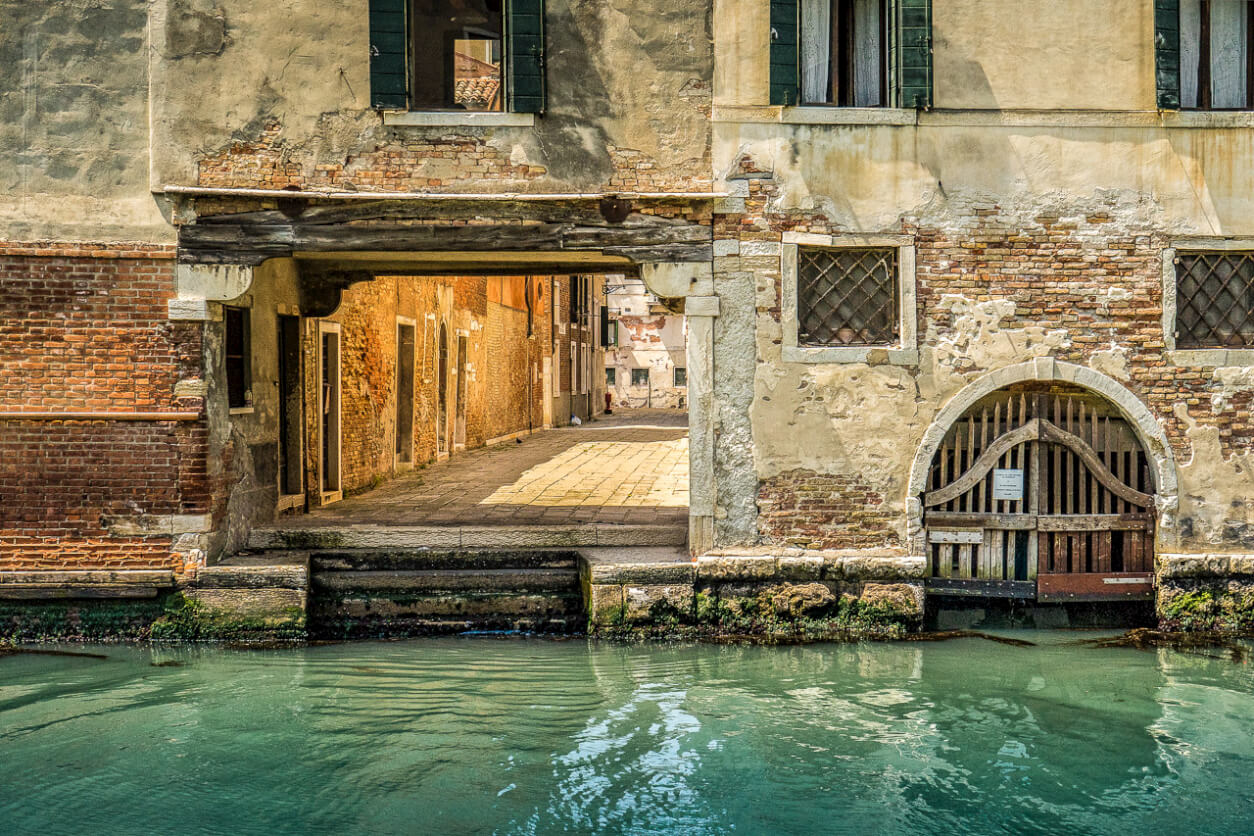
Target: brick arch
1150,433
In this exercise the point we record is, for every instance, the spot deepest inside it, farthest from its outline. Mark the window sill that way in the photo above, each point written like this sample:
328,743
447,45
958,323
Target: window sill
454,118
865,355
983,118
241,410
821,115
1211,357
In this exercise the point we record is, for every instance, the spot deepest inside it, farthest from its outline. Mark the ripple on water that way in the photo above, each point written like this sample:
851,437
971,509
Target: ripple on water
530,736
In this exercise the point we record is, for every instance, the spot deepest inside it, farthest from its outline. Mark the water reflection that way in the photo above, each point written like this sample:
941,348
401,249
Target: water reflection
474,736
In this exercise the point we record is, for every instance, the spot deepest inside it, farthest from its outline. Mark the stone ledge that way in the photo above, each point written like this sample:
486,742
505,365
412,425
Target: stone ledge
52,584
1205,565
799,564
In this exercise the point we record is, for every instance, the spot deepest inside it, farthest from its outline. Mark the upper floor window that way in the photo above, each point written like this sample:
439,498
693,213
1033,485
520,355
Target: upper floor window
458,49
457,55
852,53
844,52
1204,54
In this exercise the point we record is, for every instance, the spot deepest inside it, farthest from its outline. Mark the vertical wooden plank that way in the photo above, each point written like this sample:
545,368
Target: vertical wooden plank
964,561
970,497
1059,561
1094,485
1036,545
959,464
1117,468
982,490
945,560
944,466
1080,552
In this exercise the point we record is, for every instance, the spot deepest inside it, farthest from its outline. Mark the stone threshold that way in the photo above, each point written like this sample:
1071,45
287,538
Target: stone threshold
478,537
90,583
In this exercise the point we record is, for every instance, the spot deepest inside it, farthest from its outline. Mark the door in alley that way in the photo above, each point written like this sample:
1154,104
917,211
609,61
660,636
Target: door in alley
1041,492
459,429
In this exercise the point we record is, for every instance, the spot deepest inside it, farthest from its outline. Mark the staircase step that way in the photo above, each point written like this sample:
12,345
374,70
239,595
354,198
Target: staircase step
326,560
468,606
426,581
396,628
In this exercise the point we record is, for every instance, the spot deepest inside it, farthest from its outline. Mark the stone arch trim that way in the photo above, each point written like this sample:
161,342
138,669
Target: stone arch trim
1150,433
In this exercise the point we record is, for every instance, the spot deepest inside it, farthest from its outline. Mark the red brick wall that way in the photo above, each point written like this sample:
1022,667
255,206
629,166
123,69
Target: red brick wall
822,511
84,329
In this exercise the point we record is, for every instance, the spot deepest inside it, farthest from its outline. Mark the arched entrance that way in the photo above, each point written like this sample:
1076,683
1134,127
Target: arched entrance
1040,490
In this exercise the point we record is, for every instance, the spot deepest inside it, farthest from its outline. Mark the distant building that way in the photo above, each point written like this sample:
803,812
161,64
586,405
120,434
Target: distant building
645,352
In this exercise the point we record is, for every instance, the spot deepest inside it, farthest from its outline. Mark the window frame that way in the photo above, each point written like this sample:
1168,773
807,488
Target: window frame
245,358
904,353
842,66
394,67
611,377
1205,94
676,372
1218,356
647,377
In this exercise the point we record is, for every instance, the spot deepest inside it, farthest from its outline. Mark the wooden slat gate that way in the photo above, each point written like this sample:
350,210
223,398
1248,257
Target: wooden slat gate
1044,495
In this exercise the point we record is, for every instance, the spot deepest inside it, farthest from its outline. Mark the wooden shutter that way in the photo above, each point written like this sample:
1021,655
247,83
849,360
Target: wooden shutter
1167,53
525,55
785,78
389,70
912,53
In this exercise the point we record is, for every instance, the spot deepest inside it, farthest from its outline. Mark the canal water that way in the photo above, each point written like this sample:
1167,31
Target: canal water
483,735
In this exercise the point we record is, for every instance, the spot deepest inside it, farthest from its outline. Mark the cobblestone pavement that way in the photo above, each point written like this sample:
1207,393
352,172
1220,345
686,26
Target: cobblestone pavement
626,468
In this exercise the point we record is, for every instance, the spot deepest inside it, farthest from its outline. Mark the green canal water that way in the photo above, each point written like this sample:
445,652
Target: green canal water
482,735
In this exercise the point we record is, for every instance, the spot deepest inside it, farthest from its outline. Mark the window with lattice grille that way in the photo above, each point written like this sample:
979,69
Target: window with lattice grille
847,296
1215,299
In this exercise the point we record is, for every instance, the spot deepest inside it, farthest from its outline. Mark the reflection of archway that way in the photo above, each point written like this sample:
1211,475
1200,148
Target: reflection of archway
1118,458
441,426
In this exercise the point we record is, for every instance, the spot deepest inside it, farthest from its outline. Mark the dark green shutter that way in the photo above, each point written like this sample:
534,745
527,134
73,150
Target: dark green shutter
389,71
1167,53
912,59
785,82
525,54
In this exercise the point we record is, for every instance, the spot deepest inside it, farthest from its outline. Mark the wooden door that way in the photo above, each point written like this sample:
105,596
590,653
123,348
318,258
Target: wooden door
1042,494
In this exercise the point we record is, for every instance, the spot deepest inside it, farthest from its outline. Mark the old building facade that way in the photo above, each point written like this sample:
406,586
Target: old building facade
646,355
966,292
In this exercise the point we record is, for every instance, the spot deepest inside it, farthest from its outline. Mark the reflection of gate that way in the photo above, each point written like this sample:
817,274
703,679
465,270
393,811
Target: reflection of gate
1041,493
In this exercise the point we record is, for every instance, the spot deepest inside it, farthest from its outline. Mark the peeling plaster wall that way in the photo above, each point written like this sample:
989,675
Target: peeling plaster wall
1038,233
74,123
628,103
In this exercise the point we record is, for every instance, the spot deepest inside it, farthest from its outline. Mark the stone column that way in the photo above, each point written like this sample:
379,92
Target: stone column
694,283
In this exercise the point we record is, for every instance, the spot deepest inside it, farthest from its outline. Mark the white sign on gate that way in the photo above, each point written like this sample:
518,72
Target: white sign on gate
1008,484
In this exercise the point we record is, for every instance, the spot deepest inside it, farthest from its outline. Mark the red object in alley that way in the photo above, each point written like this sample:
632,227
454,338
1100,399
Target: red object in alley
608,411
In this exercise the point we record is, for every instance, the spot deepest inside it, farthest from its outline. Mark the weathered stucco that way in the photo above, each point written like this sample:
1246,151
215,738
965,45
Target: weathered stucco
74,123
628,99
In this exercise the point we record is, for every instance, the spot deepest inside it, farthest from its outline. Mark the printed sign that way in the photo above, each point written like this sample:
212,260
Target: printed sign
1007,484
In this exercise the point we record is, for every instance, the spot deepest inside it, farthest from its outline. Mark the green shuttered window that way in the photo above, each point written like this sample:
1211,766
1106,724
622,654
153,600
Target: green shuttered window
525,55
913,59
395,84
785,77
389,69
909,53
1167,53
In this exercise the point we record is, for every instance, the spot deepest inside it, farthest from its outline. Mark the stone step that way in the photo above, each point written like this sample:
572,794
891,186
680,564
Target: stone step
461,605
500,537
428,581
444,559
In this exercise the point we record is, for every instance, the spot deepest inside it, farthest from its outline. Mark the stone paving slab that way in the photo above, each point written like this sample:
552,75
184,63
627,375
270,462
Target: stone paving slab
623,477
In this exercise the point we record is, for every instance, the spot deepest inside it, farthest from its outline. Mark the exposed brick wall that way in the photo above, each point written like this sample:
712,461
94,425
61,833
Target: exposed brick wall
1083,284
84,329
401,165
824,511
499,364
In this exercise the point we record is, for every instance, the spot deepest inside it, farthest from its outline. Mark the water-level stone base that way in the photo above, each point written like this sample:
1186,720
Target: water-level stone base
1206,592
792,596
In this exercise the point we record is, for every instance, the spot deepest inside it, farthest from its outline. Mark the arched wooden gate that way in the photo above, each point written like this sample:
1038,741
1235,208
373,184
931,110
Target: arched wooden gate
1041,492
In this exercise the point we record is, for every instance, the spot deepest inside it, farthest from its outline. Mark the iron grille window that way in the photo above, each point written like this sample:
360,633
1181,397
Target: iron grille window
1215,300
847,296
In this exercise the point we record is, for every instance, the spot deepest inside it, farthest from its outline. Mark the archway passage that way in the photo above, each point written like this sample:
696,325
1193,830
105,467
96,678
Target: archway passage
1041,491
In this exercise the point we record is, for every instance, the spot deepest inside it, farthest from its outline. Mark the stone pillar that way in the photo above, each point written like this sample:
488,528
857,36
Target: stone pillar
700,312
694,283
